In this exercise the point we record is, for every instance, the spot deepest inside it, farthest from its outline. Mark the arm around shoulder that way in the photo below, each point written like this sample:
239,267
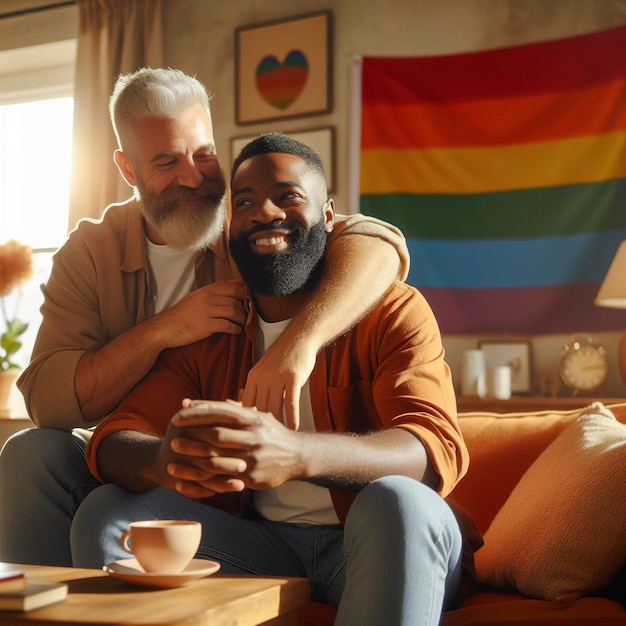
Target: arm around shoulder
360,224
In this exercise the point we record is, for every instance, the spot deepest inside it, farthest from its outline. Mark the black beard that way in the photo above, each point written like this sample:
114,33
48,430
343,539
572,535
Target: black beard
281,273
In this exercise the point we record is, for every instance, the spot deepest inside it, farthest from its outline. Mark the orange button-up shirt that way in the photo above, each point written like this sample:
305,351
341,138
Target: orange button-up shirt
387,372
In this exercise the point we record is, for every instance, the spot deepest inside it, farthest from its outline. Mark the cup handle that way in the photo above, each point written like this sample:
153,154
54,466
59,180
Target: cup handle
125,541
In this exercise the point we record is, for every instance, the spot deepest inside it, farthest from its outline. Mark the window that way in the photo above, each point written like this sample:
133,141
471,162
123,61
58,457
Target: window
36,105
35,153
36,110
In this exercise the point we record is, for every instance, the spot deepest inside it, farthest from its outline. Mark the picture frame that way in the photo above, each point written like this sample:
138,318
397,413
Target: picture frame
322,140
283,69
516,355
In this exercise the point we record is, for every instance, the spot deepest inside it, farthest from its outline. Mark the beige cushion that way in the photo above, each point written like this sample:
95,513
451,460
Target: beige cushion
562,531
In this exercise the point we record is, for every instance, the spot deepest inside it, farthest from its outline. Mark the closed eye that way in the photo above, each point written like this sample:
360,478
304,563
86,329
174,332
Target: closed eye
163,165
205,157
164,160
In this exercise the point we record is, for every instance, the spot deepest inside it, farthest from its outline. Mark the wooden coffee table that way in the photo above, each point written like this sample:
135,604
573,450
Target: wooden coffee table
94,597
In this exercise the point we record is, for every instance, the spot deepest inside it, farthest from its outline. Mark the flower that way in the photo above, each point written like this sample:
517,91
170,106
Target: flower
16,267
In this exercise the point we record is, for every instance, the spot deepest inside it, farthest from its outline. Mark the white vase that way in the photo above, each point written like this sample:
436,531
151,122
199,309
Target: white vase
499,382
474,374
7,382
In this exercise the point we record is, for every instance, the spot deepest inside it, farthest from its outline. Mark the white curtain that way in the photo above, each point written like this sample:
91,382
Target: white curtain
115,37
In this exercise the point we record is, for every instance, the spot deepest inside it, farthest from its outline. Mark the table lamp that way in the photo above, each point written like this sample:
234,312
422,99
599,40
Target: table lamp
613,294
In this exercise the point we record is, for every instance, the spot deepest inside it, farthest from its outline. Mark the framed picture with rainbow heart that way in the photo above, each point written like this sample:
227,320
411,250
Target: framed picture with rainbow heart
283,69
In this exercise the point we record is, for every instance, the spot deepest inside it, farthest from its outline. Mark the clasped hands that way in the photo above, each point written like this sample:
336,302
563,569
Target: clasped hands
213,447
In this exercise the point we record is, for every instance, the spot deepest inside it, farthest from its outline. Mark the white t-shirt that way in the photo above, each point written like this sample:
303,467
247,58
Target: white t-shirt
296,500
173,272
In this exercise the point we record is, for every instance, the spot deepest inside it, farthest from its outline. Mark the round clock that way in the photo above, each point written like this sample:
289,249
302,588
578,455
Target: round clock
584,366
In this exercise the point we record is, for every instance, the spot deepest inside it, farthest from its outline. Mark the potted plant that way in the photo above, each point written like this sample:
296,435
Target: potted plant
16,267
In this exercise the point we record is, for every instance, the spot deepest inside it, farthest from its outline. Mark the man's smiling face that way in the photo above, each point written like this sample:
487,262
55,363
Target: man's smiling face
280,221
172,164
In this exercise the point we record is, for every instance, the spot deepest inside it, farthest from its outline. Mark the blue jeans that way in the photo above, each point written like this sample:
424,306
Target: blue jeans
398,560
43,479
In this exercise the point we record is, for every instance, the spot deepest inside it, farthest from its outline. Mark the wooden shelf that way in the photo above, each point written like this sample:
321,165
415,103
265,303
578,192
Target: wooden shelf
518,404
11,425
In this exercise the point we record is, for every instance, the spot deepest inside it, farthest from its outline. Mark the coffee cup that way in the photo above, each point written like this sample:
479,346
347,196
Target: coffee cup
162,546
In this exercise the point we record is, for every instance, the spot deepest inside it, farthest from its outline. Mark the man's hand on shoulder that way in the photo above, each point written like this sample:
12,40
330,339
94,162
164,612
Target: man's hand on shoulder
215,308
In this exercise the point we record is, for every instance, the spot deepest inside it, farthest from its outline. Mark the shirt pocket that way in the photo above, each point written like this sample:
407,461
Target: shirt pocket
352,408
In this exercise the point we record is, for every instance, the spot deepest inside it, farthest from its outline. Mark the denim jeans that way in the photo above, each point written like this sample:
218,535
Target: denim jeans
398,560
43,479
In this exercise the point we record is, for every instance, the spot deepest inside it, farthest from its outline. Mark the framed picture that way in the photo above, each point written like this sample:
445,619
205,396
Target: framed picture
283,69
322,140
515,354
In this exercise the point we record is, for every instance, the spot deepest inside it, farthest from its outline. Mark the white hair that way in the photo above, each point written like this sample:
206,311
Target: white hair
153,93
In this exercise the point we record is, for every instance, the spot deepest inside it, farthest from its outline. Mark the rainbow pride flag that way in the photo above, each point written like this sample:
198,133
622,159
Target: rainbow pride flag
506,170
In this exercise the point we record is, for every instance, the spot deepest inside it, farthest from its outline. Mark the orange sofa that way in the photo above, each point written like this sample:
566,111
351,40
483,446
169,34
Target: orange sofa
502,449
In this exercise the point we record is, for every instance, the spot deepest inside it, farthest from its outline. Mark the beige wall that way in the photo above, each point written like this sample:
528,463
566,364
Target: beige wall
199,39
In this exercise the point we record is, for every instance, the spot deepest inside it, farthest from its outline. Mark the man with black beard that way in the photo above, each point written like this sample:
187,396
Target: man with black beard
352,497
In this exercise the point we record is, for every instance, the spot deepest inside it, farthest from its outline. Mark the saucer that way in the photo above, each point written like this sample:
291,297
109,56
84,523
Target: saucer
130,571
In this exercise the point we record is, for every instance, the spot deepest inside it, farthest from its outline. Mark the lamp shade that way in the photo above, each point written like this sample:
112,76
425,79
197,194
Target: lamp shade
613,289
